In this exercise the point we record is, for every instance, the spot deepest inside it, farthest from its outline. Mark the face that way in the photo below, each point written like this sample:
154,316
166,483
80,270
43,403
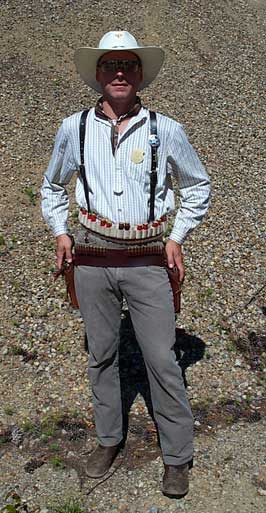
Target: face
119,85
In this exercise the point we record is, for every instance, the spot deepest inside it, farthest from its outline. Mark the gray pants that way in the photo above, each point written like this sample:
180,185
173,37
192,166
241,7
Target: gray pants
149,297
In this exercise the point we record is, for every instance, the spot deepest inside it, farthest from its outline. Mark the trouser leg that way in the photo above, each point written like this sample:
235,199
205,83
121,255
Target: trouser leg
100,306
150,303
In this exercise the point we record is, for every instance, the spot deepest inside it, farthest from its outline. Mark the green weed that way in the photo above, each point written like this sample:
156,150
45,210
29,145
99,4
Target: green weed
28,426
54,447
9,410
57,462
31,194
209,292
49,425
16,506
231,347
75,214
69,506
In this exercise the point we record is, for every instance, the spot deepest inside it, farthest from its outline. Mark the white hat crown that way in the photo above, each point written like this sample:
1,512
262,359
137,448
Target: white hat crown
120,40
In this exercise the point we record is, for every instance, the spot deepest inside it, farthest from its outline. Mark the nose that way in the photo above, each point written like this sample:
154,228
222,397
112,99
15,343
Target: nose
120,75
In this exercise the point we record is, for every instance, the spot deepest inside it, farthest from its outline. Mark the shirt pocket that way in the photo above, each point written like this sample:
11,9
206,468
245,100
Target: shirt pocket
137,173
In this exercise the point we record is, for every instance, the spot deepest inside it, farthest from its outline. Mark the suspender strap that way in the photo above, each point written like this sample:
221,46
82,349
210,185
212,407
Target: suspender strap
154,142
82,132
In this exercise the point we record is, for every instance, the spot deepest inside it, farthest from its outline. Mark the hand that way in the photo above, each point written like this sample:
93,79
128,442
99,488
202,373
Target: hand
175,257
63,249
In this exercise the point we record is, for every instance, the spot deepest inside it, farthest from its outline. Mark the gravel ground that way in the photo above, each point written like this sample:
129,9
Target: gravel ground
213,81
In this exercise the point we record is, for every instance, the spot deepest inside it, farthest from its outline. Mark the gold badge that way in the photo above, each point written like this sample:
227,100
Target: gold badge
137,156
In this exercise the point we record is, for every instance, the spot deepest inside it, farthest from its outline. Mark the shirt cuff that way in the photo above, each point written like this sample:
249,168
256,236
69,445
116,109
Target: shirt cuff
176,236
60,230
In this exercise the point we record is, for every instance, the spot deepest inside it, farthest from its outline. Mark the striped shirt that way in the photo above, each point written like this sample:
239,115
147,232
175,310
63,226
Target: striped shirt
119,188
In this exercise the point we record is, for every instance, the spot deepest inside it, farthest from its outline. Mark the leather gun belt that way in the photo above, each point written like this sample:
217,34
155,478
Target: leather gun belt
126,257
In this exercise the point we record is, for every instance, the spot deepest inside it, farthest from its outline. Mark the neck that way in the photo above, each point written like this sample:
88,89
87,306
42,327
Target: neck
116,109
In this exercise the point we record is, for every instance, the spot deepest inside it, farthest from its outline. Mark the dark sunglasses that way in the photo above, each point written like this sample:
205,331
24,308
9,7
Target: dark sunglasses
125,66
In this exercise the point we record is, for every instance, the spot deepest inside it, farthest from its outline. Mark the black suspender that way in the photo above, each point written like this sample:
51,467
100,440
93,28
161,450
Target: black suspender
154,143
82,132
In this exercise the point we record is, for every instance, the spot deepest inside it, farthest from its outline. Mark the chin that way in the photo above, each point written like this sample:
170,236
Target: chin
121,95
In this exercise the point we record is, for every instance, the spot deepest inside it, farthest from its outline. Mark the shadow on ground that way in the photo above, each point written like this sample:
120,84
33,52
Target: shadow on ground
133,376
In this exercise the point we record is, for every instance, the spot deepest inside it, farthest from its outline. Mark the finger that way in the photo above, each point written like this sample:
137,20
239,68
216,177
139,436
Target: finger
181,270
59,260
170,259
68,255
60,254
181,274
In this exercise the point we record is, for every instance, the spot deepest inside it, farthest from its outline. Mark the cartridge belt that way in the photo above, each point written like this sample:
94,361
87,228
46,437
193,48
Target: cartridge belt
124,242
127,257
122,231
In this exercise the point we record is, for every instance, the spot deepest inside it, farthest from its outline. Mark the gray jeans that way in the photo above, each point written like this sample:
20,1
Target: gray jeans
149,297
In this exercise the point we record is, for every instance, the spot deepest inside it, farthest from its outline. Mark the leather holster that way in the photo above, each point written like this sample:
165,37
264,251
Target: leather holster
67,271
173,275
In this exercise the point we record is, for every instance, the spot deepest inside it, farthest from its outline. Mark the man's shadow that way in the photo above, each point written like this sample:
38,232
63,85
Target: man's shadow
133,375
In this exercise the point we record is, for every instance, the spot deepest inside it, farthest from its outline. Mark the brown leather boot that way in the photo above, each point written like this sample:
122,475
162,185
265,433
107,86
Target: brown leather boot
175,481
100,460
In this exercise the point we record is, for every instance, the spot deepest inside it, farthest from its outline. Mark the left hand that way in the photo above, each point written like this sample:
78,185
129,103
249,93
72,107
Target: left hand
175,257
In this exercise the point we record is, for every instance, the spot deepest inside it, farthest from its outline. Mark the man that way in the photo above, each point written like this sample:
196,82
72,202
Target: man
119,249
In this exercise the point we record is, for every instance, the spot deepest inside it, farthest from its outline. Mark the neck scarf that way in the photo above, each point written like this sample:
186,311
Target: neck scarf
116,122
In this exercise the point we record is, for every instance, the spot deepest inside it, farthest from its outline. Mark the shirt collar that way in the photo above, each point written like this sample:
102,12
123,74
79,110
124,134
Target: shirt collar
99,112
134,115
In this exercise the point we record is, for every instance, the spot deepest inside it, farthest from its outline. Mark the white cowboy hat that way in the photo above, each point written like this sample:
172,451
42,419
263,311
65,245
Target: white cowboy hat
86,58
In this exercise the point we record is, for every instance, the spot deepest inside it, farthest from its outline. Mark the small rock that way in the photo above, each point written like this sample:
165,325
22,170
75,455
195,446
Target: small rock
259,479
17,435
154,509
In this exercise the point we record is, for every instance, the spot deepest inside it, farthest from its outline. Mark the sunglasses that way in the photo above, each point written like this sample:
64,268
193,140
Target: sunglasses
114,66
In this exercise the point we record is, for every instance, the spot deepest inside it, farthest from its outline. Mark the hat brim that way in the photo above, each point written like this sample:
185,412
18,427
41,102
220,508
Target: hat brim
86,60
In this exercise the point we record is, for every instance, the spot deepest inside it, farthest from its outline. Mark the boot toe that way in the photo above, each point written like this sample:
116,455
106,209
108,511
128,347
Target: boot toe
100,460
175,481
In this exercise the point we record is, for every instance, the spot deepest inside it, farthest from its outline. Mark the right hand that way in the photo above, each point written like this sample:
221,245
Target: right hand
63,250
